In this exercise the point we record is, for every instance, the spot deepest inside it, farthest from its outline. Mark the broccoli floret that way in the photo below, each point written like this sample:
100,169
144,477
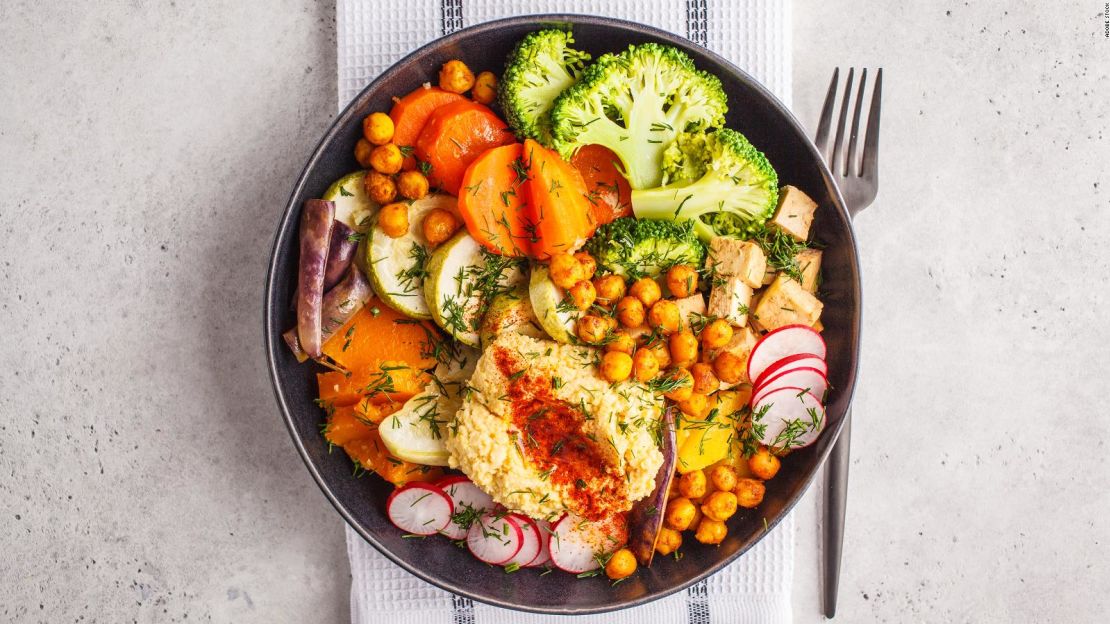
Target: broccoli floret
719,182
634,248
635,103
538,70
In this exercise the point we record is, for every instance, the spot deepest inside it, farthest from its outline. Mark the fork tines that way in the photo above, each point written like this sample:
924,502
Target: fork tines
849,162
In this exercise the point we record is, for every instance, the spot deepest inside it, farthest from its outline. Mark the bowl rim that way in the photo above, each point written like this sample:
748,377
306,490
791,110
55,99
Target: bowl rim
272,331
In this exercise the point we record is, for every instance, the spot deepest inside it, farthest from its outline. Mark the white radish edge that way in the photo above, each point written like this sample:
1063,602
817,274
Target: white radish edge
793,404
782,342
532,544
790,362
807,377
544,556
462,492
477,537
568,553
431,506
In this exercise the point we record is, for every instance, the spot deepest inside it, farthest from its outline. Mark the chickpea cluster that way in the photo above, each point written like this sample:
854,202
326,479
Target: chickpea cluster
391,177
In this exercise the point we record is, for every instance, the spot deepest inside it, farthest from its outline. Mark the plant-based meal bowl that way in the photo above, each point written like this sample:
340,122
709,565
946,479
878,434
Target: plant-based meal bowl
362,502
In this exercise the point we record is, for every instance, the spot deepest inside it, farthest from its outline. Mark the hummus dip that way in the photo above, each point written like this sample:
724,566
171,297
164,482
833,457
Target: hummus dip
543,434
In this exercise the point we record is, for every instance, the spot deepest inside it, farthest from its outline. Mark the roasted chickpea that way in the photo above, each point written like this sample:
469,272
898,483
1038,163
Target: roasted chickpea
684,348
764,464
622,342
610,289
695,406
684,385
565,270
705,381
723,477
592,329
393,219
728,367
378,128
616,366
716,334
664,316
720,505
455,77
611,322
379,187
682,280
661,351
710,531
621,564
698,515
386,159
646,290
485,88
749,492
439,225
644,365
583,295
692,484
589,265
363,148
668,541
680,514
630,312
412,184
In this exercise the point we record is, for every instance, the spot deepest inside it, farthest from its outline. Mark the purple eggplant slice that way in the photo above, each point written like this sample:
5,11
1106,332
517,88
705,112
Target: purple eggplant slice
646,517
316,226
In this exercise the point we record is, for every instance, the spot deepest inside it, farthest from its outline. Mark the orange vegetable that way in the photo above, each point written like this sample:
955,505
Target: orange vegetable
558,206
388,382
410,113
493,200
372,454
344,425
609,194
454,136
377,333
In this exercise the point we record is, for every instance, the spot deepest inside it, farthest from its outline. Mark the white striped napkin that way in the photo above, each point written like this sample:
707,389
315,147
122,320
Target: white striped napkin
753,34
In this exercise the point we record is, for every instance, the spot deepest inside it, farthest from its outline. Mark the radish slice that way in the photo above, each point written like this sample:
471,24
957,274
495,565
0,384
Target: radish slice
788,418
544,555
494,538
782,342
798,360
533,543
419,508
464,495
575,544
811,379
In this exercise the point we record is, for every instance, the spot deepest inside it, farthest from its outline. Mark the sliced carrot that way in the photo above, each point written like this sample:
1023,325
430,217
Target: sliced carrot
609,194
389,382
558,209
410,113
455,135
370,452
378,333
493,200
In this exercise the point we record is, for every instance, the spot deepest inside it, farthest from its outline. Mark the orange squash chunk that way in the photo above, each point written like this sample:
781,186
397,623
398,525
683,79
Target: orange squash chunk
387,382
378,333
370,452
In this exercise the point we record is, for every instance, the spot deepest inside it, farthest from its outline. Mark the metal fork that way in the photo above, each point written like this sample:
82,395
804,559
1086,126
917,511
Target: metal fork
857,175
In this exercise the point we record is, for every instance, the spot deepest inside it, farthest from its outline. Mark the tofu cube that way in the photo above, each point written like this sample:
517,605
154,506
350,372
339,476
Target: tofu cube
795,213
785,302
732,257
731,301
809,263
741,345
689,307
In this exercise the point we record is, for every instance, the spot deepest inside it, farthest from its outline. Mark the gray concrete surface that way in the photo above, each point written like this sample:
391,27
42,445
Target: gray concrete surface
146,149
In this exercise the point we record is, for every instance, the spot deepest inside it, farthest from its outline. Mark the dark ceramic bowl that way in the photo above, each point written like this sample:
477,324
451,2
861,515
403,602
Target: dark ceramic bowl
753,111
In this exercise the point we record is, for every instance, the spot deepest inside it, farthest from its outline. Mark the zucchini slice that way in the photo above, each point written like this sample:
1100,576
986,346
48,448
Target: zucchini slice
397,267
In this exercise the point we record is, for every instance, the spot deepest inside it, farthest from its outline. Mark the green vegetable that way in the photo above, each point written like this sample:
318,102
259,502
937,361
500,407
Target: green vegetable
721,183
539,69
635,103
637,247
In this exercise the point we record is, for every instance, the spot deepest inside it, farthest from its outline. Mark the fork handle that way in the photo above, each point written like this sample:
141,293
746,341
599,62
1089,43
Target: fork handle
836,495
